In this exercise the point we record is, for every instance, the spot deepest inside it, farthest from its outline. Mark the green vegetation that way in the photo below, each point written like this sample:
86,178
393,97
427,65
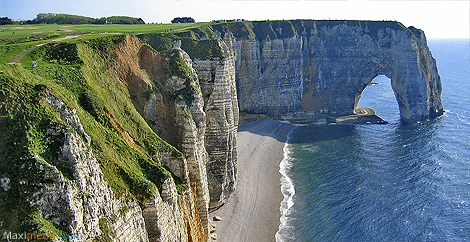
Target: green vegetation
196,48
31,131
183,20
68,77
127,168
25,144
52,18
47,226
120,20
202,49
13,32
6,20
90,101
263,30
15,38
7,52
160,42
178,67
62,53
106,234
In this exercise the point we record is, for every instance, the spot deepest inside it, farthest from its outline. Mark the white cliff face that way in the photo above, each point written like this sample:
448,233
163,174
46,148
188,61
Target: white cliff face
269,75
172,217
323,67
204,128
191,123
217,81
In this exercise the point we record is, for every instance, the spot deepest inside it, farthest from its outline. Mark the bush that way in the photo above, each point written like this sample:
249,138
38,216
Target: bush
91,103
63,53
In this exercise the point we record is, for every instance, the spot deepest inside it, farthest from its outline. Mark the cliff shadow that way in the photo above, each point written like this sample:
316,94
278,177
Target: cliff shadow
302,134
268,127
321,132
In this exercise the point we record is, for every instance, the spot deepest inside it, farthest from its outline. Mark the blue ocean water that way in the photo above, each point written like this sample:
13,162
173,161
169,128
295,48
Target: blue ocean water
390,182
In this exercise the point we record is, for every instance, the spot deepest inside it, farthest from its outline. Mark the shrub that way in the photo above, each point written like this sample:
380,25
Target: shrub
91,103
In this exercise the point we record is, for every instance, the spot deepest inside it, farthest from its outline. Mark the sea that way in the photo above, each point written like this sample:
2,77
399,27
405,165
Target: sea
384,182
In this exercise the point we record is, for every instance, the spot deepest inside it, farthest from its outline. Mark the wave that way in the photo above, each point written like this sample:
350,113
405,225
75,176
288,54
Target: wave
288,191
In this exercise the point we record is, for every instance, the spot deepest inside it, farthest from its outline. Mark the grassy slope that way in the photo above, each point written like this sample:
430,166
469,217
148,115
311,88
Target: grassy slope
25,118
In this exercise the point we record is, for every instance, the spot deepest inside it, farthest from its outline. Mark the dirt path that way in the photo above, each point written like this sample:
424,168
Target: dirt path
22,53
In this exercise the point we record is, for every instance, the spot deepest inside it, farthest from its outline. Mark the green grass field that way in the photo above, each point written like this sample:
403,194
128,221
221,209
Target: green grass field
15,38
31,30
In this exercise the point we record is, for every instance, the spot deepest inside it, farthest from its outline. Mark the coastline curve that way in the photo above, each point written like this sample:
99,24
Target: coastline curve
287,189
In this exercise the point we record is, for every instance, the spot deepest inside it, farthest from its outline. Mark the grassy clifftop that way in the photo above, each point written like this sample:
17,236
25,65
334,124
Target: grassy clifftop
195,47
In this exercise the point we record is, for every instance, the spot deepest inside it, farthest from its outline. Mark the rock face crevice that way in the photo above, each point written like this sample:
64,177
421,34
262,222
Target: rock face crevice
308,67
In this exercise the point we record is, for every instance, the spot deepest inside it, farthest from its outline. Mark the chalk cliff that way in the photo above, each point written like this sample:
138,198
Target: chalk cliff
86,165
308,67
217,81
165,91
214,65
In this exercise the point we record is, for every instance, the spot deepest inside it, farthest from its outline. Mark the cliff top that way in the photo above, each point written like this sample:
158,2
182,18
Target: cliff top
273,29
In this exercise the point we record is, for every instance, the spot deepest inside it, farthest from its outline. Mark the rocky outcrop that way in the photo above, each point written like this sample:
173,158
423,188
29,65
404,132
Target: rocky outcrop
310,67
84,203
165,91
170,217
204,129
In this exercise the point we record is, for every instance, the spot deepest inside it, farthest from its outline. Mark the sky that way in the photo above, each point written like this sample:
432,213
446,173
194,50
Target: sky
438,18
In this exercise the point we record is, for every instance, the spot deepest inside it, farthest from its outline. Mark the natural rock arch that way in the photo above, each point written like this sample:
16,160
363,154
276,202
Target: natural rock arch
401,55
379,96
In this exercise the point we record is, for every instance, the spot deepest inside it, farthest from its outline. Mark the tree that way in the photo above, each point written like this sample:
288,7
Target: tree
6,20
52,18
183,20
124,20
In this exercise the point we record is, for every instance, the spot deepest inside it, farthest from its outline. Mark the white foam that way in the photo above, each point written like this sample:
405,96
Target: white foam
288,191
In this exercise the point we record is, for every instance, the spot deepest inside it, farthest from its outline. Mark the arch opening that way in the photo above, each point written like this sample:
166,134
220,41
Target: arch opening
380,96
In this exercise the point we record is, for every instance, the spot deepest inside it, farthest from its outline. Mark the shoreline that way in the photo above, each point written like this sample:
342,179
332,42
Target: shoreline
253,212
